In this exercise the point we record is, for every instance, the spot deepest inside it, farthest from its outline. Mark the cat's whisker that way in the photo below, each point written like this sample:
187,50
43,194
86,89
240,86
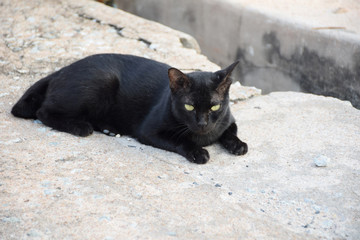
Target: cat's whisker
180,131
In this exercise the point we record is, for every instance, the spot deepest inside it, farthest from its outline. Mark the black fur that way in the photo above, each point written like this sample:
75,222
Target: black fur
135,96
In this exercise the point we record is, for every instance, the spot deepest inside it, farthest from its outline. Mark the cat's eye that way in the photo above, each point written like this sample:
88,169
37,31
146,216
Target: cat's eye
215,107
189,107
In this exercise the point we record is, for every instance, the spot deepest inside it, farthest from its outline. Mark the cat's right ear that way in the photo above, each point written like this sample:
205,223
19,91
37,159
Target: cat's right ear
178,80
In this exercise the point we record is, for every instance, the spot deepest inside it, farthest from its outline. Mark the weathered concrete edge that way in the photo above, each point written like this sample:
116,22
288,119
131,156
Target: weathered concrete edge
324,62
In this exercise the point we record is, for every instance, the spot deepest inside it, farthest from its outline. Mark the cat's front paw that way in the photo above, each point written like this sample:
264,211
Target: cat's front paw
235,146
199,156
82,129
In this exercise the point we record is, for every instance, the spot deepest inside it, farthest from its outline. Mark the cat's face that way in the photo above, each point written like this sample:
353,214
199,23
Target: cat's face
200,100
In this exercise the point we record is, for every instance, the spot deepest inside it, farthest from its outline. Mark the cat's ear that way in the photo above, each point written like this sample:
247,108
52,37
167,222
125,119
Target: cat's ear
223,77
178,80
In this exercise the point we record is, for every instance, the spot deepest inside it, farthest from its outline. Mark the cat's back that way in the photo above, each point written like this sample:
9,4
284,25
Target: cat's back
123,87
138,75
129,70
127,76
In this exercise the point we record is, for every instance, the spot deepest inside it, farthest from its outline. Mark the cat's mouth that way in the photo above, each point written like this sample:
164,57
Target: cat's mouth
202,131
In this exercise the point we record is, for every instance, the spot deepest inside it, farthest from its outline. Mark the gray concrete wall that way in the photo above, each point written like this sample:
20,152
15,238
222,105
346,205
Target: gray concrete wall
277,52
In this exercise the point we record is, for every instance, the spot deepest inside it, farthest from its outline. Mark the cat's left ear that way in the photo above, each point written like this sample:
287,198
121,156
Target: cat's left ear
178,80
224,78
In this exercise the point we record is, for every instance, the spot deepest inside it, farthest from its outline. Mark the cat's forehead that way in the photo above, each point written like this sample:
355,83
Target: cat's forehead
202,96
202,79
202,90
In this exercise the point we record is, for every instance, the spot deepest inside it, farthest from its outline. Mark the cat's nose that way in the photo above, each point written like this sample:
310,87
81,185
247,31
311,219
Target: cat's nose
202,123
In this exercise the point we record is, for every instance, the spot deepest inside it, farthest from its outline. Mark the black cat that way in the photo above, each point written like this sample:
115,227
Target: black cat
128,95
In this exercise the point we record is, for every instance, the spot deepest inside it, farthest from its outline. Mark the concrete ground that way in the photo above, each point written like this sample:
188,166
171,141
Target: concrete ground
299,180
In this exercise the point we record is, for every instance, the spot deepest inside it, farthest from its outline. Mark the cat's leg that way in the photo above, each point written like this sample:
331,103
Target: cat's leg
64,123
187,149
231,142
194,154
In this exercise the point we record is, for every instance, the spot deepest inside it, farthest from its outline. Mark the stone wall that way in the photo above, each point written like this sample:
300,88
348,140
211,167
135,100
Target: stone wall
311,47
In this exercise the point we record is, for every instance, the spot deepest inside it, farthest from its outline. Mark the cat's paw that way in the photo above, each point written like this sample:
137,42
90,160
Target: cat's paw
199,156
235,146
81,129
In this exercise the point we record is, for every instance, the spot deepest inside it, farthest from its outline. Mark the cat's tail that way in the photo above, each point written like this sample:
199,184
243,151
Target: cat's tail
32,99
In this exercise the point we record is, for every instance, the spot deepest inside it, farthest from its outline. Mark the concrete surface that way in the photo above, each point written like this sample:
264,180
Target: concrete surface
57,186
309,46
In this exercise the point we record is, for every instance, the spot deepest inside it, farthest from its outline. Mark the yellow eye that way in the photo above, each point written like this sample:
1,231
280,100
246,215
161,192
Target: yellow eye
189,107
215,107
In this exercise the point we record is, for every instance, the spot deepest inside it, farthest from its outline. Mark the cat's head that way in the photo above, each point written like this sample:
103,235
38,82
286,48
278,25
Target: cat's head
200,100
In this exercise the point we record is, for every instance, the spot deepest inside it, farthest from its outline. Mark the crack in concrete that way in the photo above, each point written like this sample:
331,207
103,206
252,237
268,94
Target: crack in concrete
113,26
147,42
116,28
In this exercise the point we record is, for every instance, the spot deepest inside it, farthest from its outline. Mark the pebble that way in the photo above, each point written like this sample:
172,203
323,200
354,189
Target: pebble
172,234
217,185
4,94
35,49
117,135
37,121
34,233
98,196
30,19
42,129
327,224
316,208
49,191
109,238
76,170
153,46
17,140
10,219
106,131
46,184
106,218
321,161
21,70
